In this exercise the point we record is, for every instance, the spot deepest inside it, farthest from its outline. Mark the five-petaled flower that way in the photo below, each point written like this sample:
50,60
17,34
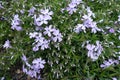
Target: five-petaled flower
7,44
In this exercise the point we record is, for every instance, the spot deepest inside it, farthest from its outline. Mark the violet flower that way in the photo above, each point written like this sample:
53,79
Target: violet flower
46,12
72,7
40,20
7,44
34,69
79,28
25,60
1,7
57,36
48,31
108,63
111,30
34,34
114,78
94,51
45,45
38,63
31,11
16,23
35,48
43,18
89,12
77,2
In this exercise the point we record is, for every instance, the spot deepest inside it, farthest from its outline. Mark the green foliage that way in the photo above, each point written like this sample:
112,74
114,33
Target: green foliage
70,61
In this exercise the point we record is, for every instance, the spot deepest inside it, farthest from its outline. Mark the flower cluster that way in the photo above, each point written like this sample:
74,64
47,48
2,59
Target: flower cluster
43,18
16,23
94,51
52,34
45,35
72,7
7,44
40,41
108,63
34,69
87,23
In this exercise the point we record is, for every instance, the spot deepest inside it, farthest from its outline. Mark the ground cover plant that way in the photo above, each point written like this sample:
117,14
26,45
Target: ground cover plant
60,40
